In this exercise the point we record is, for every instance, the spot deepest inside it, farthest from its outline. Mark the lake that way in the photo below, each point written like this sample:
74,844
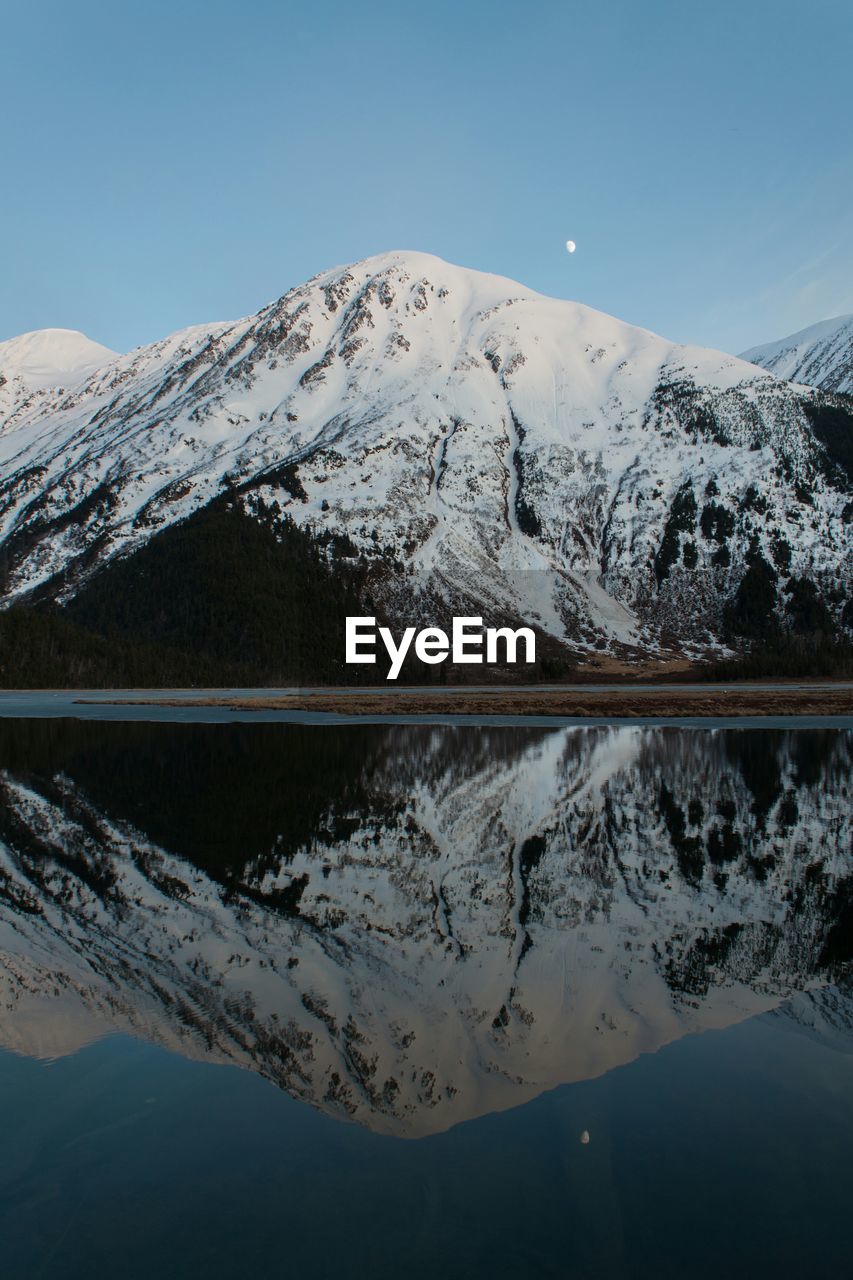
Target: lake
298,999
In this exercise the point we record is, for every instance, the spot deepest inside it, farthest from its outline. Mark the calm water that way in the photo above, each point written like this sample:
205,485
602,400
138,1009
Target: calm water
411,1000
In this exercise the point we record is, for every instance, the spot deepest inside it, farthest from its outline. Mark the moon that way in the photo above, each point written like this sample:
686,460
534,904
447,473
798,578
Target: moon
571,246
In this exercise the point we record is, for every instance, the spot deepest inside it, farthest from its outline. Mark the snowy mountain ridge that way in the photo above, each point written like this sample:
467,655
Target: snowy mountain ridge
819,356
475,442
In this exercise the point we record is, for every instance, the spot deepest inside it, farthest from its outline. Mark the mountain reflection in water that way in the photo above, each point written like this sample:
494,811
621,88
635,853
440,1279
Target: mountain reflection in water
410,926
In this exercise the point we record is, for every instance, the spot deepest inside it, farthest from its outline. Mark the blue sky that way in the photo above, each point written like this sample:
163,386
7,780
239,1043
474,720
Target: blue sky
171,163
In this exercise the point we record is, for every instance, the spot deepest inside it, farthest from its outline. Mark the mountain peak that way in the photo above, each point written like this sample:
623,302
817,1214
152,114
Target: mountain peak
417,267
50,357
469,294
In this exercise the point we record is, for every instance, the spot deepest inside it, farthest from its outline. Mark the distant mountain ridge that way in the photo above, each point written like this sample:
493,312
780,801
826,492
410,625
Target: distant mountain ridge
47,357
819,356
471,446
42,361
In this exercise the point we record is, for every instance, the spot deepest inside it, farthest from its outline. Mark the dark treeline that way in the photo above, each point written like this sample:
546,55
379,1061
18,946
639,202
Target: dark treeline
42,649
784,627
225,598
236,594
788,657
222,598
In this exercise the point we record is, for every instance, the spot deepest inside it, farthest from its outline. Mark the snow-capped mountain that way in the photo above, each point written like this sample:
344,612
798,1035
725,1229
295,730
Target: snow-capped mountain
51,357
820,356
477,443
467,919
43,360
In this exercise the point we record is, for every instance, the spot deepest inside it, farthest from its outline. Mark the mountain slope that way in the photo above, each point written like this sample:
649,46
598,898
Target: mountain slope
820,356
480,447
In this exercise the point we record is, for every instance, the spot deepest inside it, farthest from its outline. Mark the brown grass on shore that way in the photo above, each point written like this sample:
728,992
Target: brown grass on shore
660,701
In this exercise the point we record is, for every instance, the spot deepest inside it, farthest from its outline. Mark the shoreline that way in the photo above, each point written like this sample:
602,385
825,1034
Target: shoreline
659,701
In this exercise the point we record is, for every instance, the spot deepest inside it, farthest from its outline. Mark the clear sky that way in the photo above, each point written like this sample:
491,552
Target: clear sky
167,163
